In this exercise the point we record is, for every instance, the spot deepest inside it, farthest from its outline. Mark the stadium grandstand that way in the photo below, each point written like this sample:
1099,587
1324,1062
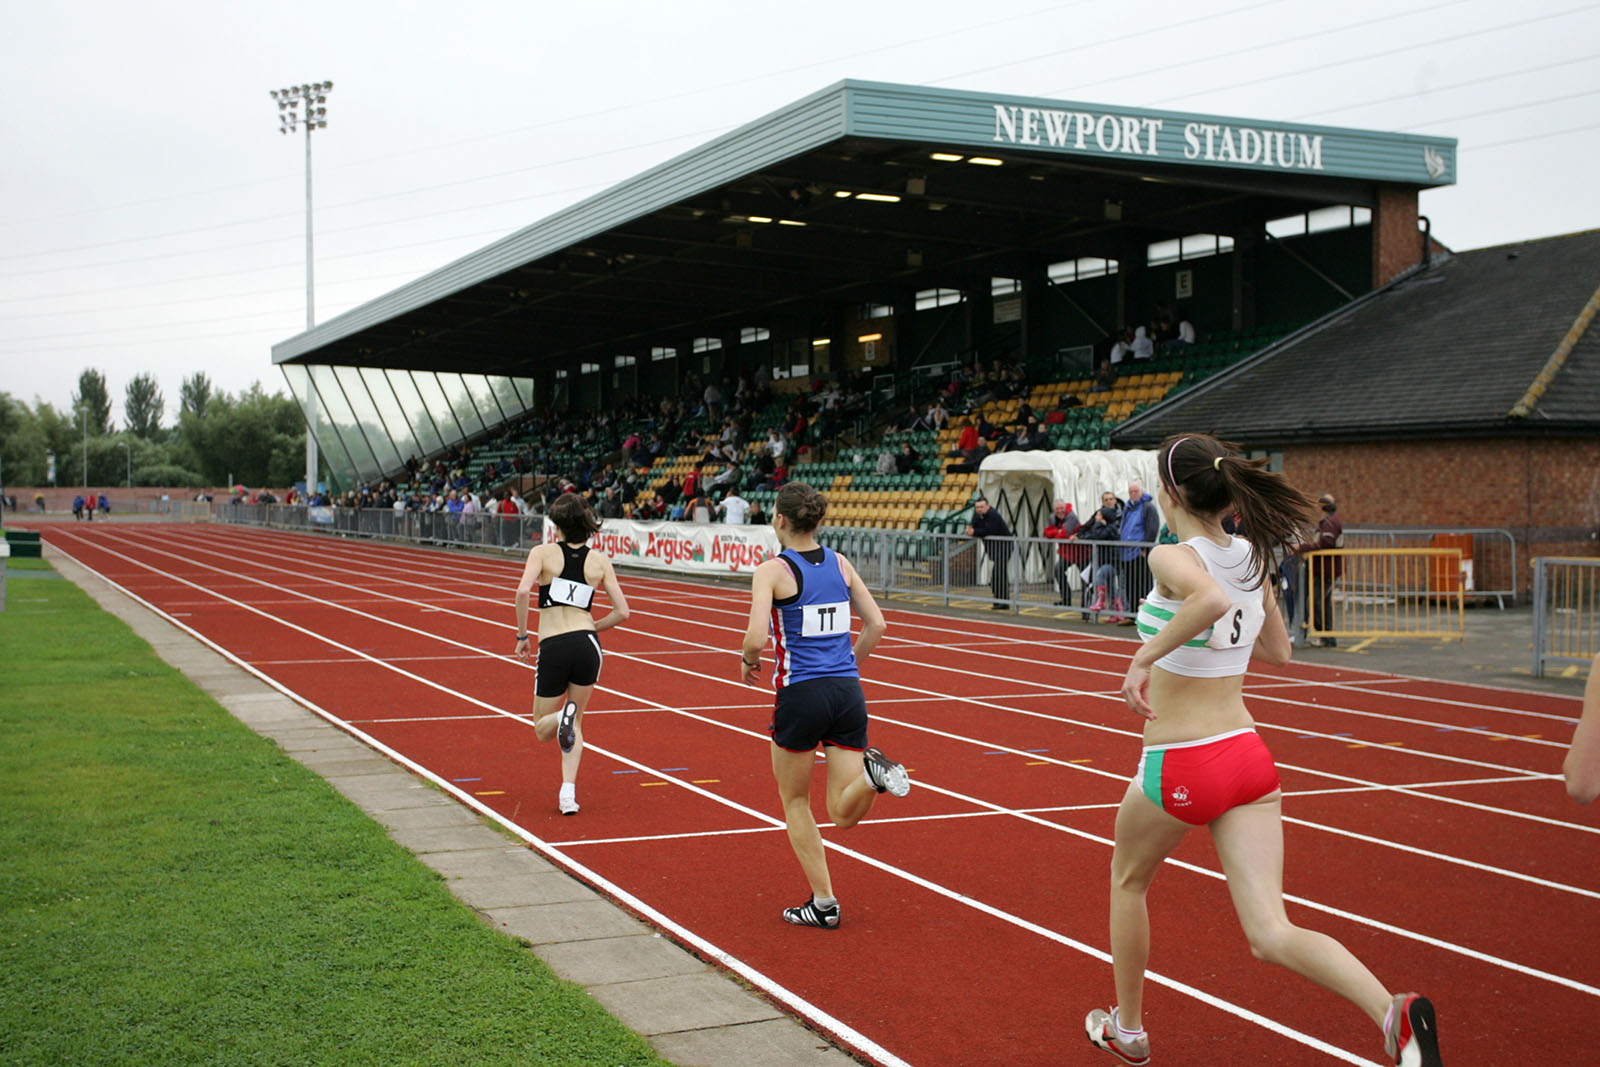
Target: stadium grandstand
827,272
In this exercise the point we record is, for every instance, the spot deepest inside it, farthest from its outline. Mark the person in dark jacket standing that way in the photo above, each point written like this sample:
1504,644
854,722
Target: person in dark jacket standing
1325,569
1140,522
988,526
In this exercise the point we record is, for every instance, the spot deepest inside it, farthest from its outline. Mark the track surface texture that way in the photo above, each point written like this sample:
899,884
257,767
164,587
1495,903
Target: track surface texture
1425,826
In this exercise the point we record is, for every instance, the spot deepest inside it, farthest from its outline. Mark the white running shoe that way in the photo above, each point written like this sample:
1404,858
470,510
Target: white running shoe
567,801
885,774
1101,1026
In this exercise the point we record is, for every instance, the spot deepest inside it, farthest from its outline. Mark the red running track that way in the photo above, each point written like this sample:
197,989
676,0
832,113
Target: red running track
1425,826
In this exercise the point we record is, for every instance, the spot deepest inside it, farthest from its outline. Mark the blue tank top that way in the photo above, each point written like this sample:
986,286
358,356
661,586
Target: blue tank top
811,633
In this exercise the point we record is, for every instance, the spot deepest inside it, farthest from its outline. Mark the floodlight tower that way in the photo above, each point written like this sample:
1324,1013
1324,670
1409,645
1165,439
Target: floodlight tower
314,98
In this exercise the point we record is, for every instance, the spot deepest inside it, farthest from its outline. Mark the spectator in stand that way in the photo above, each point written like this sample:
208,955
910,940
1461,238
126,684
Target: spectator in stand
991,529
906,461
1063,525
775,480
937,417
611,504
1143,347
757,516
776,445
691,482
734,509
968,439
1123,348
1325,569
670,492
697,508
1184,339
1105,378
713,399
970,460
1030,437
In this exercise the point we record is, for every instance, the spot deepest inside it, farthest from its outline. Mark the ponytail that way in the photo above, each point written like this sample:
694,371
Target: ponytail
1208,476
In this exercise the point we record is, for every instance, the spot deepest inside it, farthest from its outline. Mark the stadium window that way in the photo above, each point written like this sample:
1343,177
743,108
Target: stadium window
561,374
626,361
707,344
1323,219
938,298
588,368
751,334
659,354
1192,246
1004,286
877,311
1077,270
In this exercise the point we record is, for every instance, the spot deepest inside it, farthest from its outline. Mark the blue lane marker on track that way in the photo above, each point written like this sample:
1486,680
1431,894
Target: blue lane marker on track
626,770
996,752
1038,750
669,770
466,779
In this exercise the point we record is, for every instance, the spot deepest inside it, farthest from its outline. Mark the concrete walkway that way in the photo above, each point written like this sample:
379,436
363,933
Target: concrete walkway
692,1013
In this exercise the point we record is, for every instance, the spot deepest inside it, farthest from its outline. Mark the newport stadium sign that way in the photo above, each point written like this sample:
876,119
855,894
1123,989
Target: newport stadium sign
1141,135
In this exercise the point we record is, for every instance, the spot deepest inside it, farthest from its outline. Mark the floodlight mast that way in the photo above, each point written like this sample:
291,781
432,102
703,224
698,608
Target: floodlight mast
314,97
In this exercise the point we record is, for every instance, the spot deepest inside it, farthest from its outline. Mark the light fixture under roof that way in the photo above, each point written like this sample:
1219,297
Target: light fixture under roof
843,193
946,157
882,198
987,161
757,218
820,342
864,338
790,222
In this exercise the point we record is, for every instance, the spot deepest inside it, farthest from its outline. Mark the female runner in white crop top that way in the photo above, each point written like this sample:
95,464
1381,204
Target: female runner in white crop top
1210,611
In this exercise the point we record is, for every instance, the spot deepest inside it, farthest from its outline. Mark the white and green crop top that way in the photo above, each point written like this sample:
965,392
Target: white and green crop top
1223,649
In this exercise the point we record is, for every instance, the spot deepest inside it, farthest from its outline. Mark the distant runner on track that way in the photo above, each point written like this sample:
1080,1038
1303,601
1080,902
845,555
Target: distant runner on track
803,598
568,666
1212,609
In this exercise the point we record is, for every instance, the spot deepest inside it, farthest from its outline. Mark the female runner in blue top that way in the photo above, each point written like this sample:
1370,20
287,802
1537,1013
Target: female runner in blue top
1212,609
567,571
804,598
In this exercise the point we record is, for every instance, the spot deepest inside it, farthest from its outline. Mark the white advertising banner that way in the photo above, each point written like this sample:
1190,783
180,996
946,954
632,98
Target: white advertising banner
682,546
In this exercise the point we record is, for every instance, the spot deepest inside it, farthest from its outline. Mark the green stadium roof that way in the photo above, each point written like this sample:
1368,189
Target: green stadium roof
681,247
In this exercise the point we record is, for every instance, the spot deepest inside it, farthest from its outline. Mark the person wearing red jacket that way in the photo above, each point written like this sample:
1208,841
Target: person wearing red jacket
1062,526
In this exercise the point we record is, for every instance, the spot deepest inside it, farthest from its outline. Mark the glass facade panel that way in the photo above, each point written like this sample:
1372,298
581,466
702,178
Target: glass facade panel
389,410
461,403
524,392
331,451
369,420
483,395
433,395
416,412
506,390
344,422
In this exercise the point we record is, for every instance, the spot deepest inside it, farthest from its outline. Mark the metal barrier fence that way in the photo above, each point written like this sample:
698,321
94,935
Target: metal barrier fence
1566,611
1488,555
1394,592
506,533
1104,580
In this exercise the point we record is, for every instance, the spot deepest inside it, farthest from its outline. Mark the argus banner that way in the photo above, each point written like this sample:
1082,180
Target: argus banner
682,546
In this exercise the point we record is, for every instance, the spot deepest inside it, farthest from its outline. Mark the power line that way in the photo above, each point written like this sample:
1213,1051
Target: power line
1509,107
1538,68
1380,55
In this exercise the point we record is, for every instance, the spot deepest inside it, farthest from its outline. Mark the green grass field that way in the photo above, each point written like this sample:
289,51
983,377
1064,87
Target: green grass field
175,889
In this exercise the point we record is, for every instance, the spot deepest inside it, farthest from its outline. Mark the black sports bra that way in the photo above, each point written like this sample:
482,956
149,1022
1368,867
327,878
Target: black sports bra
569,589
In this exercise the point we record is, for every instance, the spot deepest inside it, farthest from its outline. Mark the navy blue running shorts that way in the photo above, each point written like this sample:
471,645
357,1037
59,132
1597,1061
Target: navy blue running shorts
571,658
826,711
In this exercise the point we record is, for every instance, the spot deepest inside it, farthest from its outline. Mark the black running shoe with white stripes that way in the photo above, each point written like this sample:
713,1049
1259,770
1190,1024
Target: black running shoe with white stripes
566,737
809,914
885,774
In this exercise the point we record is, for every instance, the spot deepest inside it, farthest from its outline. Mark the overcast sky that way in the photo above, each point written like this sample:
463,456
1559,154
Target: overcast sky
153,217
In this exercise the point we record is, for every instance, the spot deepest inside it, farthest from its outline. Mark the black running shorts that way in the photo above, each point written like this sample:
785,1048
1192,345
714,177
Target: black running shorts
827,711
571,658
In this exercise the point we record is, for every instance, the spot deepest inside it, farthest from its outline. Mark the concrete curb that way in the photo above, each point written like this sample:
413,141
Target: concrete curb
693,1014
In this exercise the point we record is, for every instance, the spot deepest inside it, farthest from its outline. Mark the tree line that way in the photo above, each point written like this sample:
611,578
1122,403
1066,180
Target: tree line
253,437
